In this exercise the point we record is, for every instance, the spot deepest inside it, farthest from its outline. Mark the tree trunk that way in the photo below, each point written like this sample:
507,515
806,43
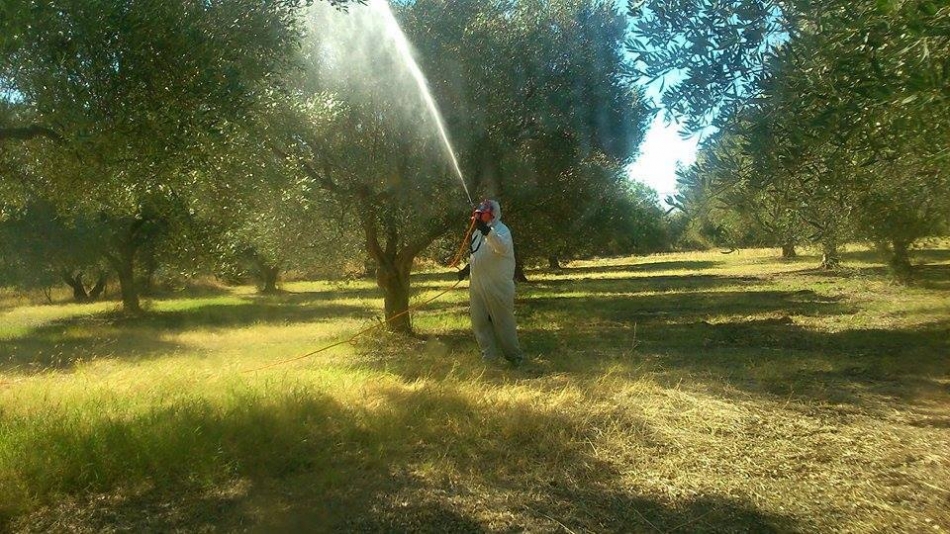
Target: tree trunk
393,279
97,289
75,282
130,295
830,258
553,262
394,256
269,275
519,268
267,272
127,240
369,268
788,251
900,260
124,264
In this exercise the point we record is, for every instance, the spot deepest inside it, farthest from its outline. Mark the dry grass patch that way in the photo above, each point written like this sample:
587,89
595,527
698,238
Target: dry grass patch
702,392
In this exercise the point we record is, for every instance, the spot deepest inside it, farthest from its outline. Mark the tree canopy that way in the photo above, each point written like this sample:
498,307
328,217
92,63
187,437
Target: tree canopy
131,93
543,130
220,135
839,111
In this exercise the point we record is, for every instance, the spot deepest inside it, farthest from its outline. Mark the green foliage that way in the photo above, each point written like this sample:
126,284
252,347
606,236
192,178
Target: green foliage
267,218
543,121
847,150
731,204
137,95
537,91
39,248
718,52
196,130
146,77
632,223
841,117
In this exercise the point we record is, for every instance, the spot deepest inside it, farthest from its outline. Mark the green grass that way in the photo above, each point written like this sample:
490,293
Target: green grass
688,392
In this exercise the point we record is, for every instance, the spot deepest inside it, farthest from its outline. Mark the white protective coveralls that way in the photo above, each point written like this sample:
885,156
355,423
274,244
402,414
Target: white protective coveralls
492,290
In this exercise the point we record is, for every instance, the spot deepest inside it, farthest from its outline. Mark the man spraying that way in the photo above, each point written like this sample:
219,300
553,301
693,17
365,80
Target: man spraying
492,288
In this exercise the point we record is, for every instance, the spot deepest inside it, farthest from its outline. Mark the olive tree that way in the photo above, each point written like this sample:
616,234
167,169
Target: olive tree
514,97
130,92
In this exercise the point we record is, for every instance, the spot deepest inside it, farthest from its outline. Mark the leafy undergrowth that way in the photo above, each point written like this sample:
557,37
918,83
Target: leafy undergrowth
695,393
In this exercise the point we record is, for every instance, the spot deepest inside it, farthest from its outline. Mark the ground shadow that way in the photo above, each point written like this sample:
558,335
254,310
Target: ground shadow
62,343
301,461
929,276
745,341
919,256
251,311
721,334
539,292
646,267
665,308
651,284
622,512
862,368
933,277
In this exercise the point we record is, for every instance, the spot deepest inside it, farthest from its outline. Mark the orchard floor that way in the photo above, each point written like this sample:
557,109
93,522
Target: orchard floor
701,392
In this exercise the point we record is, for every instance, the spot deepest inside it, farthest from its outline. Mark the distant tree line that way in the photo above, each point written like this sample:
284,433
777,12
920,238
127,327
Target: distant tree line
831,119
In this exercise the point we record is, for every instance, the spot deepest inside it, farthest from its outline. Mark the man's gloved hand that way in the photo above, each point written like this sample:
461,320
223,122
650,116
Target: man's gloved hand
482,226
463,274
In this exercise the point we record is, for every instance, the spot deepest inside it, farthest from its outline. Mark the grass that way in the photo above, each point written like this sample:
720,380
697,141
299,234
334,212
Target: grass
700,392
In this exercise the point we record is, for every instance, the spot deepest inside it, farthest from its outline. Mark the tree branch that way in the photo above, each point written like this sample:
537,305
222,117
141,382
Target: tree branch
322,178
367,214
24,133
435,230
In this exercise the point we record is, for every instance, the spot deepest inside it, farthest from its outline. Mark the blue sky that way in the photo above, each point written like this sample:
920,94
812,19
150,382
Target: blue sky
662,149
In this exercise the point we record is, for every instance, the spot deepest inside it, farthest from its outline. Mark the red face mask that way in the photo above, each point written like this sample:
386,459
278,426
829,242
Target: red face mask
485,211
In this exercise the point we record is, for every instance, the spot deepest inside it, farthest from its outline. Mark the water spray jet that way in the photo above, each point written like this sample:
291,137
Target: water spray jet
405,52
